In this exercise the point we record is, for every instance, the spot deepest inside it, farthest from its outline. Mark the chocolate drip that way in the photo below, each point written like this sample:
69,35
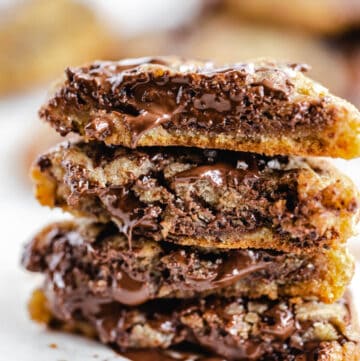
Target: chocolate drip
237,266
144,122
151,116
127,211
148,108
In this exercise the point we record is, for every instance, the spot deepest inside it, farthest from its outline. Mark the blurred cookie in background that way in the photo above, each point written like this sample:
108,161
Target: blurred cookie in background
320,16
348,44
39,38
354,69
155,43
226,39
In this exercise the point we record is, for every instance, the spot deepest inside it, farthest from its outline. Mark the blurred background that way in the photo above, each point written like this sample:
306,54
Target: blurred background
39,38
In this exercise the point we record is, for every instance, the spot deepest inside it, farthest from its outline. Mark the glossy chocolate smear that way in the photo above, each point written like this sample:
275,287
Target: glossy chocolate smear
223,169
238,265
156,111
225,271
219,174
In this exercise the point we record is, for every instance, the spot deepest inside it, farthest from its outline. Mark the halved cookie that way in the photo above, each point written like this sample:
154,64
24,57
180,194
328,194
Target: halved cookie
95,260
235,328
262,106
201,197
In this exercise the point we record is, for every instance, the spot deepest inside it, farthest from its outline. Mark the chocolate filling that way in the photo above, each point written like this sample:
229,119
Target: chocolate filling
245,99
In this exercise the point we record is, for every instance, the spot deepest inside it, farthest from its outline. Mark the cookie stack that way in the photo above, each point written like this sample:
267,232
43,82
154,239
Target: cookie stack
202,219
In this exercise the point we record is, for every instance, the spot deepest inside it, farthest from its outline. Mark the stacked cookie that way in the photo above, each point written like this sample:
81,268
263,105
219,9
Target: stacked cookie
202,218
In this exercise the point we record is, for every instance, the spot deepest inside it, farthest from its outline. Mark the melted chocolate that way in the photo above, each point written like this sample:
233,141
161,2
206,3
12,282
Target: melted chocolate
169,101
282,324
143,123
216,173
223,170
129,291
219,174
166,202
96,260
237,265
127,211
148,119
